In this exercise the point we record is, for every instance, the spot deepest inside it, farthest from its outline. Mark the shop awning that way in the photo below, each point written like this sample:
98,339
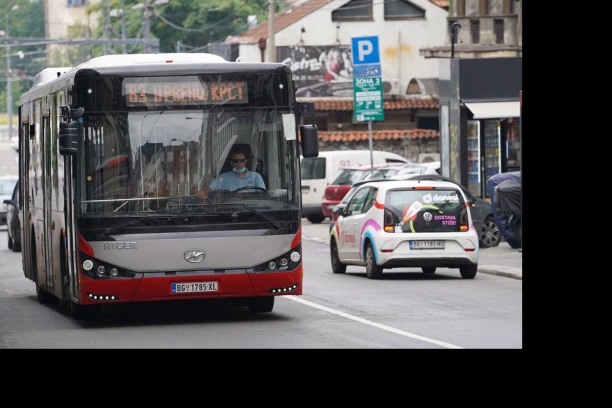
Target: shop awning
491,110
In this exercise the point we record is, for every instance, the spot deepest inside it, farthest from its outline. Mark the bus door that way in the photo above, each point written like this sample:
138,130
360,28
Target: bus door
25,198
47,194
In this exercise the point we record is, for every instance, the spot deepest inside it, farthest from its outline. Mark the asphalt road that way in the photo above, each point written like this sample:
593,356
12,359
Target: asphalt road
405,310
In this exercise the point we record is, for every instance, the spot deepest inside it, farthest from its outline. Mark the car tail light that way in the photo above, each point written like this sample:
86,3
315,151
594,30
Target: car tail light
463,221
389,225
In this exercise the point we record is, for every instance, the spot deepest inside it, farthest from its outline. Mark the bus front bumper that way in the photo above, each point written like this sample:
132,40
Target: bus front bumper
155,286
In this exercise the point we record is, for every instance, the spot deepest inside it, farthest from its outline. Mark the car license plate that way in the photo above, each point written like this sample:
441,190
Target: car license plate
426,244
192,287
331,206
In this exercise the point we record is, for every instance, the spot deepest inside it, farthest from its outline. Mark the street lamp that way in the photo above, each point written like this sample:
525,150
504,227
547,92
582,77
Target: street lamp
9,91
454,27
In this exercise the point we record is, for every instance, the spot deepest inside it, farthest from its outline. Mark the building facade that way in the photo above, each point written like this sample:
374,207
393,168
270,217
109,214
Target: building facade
314,37
480,85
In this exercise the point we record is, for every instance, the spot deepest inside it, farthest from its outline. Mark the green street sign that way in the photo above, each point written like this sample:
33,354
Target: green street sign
368,99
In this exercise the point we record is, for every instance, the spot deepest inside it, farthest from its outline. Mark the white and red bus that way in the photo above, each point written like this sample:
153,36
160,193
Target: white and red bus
111,154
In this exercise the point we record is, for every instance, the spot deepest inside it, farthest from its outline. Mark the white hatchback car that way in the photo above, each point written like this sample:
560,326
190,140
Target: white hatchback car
406,223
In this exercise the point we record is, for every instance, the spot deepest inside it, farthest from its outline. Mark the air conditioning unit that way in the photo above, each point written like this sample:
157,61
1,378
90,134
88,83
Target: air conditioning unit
391,87
429,157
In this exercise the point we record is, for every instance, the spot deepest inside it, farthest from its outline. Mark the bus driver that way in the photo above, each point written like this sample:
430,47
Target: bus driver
236,178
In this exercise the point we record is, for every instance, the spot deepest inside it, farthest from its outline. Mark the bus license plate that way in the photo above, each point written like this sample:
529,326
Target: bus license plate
193,287
426,244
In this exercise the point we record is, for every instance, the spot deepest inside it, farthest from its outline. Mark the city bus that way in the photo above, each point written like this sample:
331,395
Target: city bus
112,154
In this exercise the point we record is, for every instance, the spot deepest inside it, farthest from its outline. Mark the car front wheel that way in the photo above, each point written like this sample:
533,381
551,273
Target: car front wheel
337,266
490,236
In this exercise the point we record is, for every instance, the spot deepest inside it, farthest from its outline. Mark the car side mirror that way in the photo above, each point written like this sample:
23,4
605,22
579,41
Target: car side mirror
339,209
471,201
9,202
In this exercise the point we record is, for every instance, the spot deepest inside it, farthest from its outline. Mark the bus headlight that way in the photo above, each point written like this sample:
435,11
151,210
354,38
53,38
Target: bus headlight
286,262
87,265
101,271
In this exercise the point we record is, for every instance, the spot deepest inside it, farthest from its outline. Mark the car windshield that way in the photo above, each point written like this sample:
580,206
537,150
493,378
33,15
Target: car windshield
412,170
7,186
313,168
380,173
348,177
441,210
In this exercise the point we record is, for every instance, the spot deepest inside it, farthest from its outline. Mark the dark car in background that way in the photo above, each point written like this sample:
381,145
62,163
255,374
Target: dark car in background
13,225
489,234
7,185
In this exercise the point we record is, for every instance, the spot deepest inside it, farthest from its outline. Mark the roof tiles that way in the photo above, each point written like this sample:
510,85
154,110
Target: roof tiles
358,136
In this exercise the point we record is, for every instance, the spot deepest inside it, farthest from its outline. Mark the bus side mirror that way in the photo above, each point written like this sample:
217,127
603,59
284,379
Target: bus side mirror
68,138
309,136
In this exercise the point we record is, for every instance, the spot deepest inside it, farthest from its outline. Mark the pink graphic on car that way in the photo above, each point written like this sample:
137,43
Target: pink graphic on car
369,223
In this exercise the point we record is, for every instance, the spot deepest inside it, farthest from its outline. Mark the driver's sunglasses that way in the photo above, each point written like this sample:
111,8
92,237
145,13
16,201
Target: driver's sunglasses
238,160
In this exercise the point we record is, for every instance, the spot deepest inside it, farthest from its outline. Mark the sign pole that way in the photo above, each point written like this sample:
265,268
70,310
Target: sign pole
368,104
371,148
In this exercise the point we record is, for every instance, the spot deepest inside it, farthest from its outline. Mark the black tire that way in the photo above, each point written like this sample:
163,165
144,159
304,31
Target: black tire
337,266
518,233
490,235
261,304
373,271
315,219
10,242
16,246
429,269
468,271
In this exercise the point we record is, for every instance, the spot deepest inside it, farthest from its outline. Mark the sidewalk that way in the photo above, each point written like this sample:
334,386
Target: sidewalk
501,260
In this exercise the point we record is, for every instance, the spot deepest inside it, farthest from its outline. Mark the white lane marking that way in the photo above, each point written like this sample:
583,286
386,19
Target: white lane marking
374,324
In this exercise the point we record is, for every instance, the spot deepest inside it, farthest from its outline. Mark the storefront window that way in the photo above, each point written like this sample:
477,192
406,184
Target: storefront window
513,146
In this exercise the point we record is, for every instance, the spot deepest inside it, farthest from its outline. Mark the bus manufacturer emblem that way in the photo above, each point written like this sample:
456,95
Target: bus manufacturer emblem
194,255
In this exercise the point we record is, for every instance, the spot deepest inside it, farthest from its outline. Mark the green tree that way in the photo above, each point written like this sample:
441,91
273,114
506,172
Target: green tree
194,23
28,20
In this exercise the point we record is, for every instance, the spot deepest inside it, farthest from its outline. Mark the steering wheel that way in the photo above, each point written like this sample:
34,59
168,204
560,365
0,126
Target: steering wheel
249,188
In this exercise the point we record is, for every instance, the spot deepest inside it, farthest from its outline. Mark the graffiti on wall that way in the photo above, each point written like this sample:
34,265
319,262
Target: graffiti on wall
320,70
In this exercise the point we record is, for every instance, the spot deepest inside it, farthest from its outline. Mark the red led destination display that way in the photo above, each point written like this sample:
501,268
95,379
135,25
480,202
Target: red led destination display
142,92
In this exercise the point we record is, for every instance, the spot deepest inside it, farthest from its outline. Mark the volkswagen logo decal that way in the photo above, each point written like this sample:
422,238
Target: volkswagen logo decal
427,216
194,255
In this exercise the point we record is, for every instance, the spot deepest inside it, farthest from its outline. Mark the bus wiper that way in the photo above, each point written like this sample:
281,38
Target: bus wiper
112,230
262,215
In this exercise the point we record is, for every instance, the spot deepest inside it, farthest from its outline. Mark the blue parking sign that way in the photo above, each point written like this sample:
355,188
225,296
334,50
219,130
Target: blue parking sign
365,50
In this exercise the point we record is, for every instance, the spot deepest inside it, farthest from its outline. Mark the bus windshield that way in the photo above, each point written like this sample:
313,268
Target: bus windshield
138,162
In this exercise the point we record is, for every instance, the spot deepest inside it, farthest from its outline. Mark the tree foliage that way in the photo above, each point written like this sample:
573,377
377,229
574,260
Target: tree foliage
28,20
193,24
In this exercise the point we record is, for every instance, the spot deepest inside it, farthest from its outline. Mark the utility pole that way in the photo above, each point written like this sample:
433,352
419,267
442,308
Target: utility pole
9,90
105,22
271,32
147,27
123,46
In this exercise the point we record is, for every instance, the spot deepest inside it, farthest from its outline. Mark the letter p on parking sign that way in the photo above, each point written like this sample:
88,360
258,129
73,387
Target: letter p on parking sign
365,50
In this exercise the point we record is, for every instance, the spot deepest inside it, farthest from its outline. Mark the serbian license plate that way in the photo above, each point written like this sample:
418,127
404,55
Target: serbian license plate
426,244
192,287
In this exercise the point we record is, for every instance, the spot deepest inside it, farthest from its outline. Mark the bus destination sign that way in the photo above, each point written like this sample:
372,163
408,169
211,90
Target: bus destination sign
153,91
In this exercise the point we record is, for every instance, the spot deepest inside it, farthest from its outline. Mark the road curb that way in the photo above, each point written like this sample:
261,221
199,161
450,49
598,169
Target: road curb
498,270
